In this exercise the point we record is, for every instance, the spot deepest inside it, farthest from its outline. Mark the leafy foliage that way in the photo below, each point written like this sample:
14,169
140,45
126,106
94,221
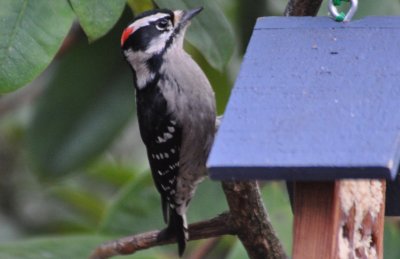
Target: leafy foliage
97,16
29,40
84,107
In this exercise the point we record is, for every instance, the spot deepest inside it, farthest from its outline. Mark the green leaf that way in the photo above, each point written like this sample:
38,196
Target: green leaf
210,31
97,17
31,33
84,108
62,247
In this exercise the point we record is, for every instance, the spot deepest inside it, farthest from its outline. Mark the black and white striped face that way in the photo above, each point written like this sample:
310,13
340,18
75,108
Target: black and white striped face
149,32
150,35
154,31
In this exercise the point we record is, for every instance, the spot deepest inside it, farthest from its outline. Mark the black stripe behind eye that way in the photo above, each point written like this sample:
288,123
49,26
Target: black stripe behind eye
141,38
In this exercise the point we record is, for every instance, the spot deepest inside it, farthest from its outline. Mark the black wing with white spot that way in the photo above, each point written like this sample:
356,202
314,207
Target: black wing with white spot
164,162
161,134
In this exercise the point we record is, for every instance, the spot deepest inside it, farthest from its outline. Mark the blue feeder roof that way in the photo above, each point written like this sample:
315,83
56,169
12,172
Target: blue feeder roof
314,100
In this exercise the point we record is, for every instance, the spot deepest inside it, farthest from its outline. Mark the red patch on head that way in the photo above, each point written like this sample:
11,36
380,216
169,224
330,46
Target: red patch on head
125,35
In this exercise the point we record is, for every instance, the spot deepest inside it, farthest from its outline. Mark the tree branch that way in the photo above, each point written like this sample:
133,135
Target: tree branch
302,7
250,219
218,226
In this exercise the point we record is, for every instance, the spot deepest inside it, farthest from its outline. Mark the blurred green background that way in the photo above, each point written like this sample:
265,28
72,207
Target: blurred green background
73,171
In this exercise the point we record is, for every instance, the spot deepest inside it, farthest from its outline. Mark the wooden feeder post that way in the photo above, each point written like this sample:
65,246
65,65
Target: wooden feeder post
316,103
339,219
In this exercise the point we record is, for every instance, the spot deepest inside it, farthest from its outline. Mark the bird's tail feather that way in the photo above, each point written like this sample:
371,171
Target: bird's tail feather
178,225
165,210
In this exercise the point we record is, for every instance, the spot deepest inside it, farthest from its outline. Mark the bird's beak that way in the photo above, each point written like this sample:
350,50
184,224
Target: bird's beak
187,15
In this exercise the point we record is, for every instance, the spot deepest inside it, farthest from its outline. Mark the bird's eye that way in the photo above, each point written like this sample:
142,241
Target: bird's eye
162,24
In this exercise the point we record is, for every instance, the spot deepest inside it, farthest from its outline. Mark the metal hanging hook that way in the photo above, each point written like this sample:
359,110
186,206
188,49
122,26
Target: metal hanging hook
342,17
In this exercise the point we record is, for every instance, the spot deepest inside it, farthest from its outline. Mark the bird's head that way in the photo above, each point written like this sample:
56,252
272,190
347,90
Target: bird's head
153,32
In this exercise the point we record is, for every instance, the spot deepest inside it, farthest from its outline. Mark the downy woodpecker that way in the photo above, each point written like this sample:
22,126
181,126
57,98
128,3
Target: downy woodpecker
175,108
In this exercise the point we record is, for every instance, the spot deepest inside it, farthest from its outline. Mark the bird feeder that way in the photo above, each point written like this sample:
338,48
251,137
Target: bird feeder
317,103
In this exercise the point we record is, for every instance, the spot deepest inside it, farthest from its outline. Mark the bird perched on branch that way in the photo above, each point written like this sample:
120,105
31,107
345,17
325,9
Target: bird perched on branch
175,108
